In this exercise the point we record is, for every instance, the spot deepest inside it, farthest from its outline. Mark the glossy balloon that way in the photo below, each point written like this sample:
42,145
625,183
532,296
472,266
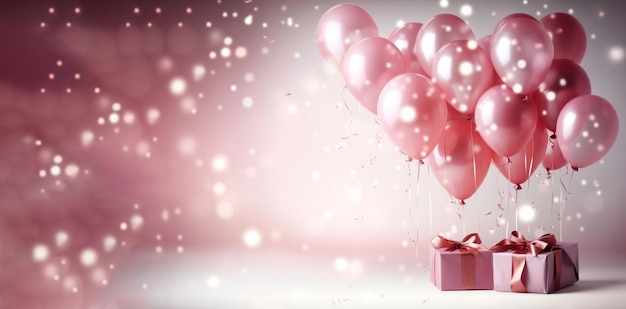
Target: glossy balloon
520,166
586,130
521,53
565,80
404,38
568,36
461,159
463,71
505,120
437,32
512,16
368,65
340,27
553,160
413,113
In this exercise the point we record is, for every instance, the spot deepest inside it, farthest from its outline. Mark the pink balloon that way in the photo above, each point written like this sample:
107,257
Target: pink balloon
413,113
437,32
505,120
519,167
404,39
568,36
461,159
512,16
565,80
463,71
553,160
521,53
368,65
340,27
586,130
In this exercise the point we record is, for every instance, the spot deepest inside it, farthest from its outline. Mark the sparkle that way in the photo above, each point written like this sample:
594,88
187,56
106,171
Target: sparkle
40,253
616,54
178,86
252,238
466,10
88,257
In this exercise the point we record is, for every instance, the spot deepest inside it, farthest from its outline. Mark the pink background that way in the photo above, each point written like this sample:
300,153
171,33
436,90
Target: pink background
193,154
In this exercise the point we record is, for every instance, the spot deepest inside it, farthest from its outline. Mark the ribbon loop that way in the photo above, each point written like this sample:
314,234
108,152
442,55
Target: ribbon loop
520,245
470,243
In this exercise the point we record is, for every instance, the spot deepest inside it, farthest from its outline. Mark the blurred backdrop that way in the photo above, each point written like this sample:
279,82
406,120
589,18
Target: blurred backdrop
179,154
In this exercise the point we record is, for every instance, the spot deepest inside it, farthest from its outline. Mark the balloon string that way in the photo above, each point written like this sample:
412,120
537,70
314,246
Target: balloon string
417,197
430,204
474,170
508,197
343,92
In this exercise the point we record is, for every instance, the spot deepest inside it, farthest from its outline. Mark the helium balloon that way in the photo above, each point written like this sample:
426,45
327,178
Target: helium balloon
413,113
404,39
461,159
368,65
586,130
340,27
565,80
463,71
505,120
437,32
568,36
521,53
520,166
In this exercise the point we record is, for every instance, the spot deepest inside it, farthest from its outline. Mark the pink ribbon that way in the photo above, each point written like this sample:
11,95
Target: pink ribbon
470,244
520,247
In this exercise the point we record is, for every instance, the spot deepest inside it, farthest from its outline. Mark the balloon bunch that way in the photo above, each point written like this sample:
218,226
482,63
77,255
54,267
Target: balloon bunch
464,102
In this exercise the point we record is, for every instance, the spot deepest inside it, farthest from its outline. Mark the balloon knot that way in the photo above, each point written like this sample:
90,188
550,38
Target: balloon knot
508,160
421,162
526,98
575,168
470,117
553,136
409,159
462,202
518,187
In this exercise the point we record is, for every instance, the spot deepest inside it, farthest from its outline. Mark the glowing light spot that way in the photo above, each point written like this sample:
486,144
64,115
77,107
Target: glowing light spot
521,63
220,163
472,44
247,102
116,107
225,210
408,114
340,264
55,170
225,52
61,238
72,170
466,10
187,146
88,257
86,138
316,175
213,282
517,88
178,86
616,54
353,194
136,221
129,117
526,213
114,118
153,115
248,20
249,77
563,82
466,68
444,3
219,188
123,226
241,52
109,243
252,238
198,72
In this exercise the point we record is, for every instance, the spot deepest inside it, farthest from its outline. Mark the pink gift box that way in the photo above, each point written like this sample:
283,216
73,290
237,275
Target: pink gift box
544,273
456,270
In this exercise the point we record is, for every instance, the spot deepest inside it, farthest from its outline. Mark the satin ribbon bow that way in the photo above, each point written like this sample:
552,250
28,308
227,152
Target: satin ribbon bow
520,245
471,243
